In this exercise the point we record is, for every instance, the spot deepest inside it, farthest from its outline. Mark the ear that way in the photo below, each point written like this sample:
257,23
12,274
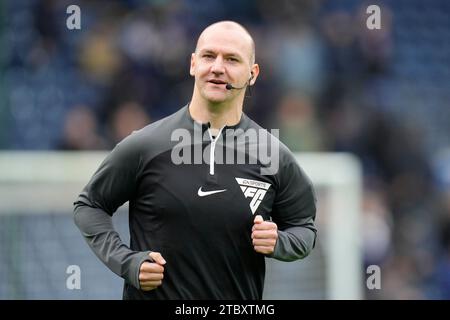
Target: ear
192,70
254,74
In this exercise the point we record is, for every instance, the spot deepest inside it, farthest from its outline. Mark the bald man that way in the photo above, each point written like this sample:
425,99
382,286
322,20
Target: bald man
201,226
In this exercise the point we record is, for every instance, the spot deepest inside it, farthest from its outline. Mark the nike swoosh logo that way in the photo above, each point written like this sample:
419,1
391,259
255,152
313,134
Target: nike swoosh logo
207,193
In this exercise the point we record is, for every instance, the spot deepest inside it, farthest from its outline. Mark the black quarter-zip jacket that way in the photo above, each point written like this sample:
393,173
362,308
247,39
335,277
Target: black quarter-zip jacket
199,216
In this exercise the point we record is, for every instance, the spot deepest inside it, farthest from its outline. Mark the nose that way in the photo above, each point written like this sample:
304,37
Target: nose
217,67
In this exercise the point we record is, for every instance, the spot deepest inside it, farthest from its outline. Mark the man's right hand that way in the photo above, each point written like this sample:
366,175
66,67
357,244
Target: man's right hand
151,273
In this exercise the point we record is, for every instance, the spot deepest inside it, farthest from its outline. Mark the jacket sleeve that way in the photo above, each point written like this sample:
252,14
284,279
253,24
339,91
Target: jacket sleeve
111,186
294,212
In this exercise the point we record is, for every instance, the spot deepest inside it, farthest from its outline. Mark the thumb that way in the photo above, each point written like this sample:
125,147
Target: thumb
258,219
157,257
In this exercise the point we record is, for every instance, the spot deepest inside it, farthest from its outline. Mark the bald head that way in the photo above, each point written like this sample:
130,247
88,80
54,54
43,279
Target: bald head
235,29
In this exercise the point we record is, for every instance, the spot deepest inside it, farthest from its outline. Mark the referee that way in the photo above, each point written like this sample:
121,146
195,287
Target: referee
200,229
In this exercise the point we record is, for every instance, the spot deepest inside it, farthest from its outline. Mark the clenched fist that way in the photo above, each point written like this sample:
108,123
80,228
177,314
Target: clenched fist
264,235
152,273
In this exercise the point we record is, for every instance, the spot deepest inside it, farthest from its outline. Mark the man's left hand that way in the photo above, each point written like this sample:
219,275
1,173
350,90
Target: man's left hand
264,235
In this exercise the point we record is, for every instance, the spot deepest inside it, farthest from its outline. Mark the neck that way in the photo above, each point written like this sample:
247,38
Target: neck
217,114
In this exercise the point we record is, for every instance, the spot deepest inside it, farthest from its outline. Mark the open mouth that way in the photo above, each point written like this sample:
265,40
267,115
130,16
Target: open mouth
216,81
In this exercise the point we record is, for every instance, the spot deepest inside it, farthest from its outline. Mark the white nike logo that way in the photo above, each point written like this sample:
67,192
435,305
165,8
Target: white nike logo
207,193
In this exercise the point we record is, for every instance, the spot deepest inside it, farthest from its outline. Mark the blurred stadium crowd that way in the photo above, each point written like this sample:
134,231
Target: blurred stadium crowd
327,82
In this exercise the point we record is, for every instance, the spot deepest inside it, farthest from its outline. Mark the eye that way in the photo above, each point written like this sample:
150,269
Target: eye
232,59
208,56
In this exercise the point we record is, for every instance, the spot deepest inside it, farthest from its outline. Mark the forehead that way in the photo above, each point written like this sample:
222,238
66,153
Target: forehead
225,41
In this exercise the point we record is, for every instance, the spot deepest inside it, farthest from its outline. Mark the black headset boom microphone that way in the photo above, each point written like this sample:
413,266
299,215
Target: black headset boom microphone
229,86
